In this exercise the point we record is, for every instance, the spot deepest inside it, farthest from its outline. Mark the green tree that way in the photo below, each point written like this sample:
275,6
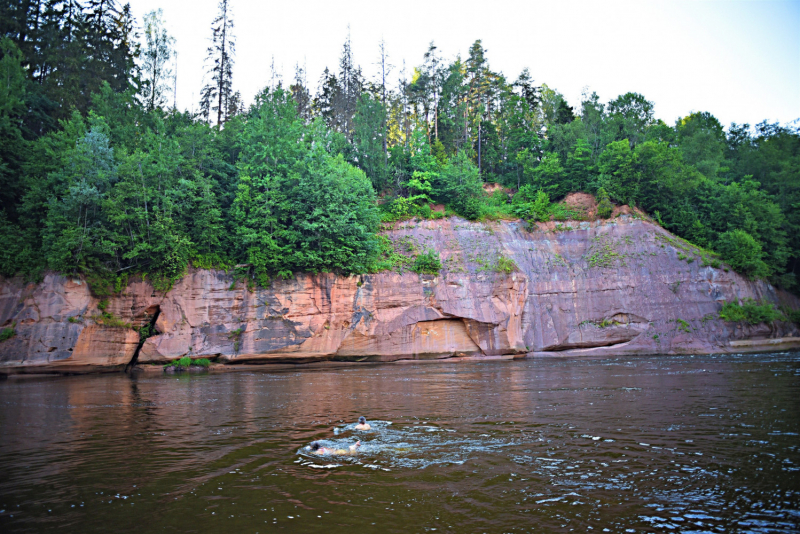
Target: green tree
629,116
579,168
368,142
217,95
617,171
550,176
702,142
156,56
334,217
76,227
459,185
13,88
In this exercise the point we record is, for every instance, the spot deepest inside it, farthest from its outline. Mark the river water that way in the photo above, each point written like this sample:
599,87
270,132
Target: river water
661,444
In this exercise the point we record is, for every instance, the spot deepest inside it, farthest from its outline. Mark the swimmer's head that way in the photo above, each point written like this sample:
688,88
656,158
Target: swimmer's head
362,420
314,446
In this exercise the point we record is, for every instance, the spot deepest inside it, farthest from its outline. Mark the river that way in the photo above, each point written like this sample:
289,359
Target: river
628,444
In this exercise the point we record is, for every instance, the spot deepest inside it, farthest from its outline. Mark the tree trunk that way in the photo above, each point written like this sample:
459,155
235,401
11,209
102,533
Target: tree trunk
479,146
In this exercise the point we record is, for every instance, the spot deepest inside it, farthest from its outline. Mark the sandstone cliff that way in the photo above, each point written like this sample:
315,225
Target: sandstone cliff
623,286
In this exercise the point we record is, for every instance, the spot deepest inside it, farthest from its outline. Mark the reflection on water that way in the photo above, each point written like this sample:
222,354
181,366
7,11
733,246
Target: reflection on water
682,444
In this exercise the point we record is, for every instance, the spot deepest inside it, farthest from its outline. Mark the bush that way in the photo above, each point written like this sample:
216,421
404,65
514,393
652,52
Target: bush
505,265
424,211
427,263
7,333
401,208
110,320
495,207
751,312
792,315
742,252
186,362
541,206
604,206
469,208
530,205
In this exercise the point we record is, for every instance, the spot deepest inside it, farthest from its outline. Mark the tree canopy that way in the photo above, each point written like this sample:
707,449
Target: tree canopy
101,175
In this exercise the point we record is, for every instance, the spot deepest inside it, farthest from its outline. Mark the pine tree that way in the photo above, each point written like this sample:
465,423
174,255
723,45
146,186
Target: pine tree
217,94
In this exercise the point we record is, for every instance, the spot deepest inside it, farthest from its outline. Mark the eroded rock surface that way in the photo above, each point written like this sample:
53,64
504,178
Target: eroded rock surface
610,287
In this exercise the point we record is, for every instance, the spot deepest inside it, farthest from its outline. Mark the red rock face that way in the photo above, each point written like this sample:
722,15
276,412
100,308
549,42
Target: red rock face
612,287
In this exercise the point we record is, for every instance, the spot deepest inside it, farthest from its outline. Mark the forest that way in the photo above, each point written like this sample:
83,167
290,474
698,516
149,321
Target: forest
102,176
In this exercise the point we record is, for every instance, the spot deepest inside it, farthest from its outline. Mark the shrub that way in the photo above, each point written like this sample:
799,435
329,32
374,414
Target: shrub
146,331
541,206
604,206
401,208
469,208
8,333
427,263
209,261
505,265
562,213
792,315
750,311
235,333
110,320
742,252
424,211
186,362
236,336
183,362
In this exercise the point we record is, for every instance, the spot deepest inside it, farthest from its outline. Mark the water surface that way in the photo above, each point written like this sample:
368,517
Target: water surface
661,444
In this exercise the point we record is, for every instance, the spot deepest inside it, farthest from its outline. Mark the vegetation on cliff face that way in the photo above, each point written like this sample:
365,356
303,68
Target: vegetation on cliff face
100,175
753,312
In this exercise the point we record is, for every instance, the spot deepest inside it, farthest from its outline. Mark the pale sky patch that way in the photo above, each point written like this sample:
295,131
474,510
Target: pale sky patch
739,60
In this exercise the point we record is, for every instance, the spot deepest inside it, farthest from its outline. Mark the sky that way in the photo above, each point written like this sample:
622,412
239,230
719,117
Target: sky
737,59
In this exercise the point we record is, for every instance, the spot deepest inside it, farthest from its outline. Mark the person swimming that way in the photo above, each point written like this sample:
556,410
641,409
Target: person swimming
316,448
362,424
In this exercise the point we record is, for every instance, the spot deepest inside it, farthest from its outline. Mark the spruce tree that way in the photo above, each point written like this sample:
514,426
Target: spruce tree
300,93
218,93
348,91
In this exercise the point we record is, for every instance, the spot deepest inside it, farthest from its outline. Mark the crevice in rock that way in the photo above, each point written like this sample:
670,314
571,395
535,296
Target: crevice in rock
586,345
145,332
